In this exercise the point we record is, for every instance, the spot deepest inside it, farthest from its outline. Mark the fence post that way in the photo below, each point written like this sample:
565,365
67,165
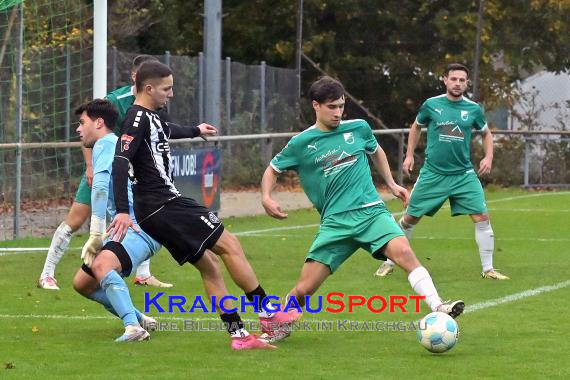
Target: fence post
19,110
228,105
401,158
167,63
114,68
67,116
201,87
526,161
265,143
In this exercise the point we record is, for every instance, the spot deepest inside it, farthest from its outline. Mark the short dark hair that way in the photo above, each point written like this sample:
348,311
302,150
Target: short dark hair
455,67
326,89
100,108
142,58
151,70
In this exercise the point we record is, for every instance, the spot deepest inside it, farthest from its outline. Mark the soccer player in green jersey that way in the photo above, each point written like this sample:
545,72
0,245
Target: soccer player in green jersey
447,172
331,160
80,210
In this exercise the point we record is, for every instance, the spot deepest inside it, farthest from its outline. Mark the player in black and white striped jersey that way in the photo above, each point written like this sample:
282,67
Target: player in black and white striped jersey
180,224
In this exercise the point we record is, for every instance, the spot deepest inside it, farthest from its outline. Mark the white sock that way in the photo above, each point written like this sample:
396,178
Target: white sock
143,271
406,228
59,243
421,282
239,333
486,242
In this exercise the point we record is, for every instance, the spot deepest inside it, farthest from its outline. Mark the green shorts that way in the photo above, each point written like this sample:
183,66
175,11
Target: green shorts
83,194
431,190
340,235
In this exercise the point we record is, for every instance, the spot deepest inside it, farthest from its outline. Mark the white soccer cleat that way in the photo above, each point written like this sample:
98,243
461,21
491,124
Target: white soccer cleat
133,333
452,308
48,283
494,275
148,323
152,281
385,269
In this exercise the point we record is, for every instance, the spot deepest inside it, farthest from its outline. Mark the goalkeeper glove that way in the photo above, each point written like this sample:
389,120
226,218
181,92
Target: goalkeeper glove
95,241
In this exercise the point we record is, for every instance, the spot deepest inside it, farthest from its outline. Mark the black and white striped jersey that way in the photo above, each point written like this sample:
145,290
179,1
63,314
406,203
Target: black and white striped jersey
143,153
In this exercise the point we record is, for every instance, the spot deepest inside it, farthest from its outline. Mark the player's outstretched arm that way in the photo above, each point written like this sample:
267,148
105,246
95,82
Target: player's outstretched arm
203,130
381,162
270,205
486,163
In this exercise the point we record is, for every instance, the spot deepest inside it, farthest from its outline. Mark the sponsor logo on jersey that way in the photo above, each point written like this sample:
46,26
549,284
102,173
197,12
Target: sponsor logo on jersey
162,147
126,142
450,131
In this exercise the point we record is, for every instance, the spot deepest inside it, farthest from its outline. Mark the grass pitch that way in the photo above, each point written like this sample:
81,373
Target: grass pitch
511,329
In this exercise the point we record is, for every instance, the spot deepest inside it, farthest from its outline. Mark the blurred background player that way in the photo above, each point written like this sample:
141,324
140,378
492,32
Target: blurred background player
331,160
80,211
448,172
106,262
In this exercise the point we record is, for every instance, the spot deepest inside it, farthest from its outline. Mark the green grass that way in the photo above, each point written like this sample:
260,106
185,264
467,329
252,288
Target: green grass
60,335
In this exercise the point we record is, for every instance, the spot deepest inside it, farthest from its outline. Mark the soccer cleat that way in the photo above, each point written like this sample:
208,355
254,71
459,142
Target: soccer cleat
133,333
384,270
250,342
48,283
152,281
453,309
276,335
148,323
495,275
279,320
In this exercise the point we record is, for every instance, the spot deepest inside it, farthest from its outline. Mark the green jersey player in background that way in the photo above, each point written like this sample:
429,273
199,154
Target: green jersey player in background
448,172
80,210
331,160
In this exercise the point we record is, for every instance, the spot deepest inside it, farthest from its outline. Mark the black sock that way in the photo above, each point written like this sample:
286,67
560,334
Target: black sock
261,295
232,321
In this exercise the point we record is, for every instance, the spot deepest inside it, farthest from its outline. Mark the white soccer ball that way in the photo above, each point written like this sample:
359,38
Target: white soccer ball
438,332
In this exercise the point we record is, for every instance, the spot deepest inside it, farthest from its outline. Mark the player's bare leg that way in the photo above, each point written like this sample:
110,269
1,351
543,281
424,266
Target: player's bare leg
407,224
214,285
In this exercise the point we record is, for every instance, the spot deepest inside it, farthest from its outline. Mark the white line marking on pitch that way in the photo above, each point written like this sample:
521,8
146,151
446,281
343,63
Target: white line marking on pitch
5,251
469,309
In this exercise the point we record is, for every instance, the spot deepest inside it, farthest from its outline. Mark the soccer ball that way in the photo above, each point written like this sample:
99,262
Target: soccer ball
438,332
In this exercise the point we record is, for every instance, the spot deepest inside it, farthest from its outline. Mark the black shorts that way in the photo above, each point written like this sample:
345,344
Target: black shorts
122,255
185,228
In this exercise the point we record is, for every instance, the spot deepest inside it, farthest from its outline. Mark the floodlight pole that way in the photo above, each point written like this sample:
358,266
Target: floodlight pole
99,48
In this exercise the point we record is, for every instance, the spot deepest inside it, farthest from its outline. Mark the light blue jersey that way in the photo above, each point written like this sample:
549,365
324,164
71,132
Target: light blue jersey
139,245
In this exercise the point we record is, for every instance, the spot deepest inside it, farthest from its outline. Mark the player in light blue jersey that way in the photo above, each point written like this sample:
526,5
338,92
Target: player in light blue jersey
106,262
448,173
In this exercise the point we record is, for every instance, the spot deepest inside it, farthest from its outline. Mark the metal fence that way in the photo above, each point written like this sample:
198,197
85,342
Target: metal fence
538,159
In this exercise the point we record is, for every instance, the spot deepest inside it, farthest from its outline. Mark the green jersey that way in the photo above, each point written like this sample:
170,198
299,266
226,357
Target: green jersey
332,166
123,98
449,127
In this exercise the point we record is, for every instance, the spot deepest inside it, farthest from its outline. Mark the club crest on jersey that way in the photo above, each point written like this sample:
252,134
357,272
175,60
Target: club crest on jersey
349,138
464,115
213,218
126,142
